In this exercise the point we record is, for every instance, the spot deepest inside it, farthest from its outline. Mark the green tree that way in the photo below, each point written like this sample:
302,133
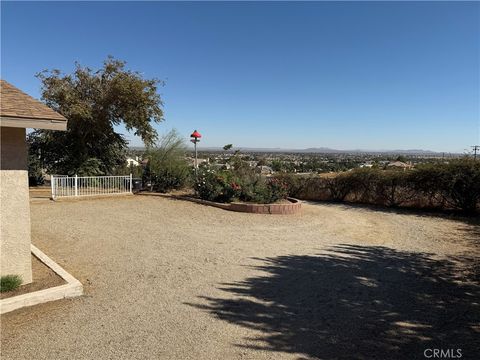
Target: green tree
277,165
94,102
35,176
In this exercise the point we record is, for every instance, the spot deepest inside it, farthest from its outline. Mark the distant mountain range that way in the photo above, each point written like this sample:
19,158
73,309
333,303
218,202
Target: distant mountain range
405,152
323,150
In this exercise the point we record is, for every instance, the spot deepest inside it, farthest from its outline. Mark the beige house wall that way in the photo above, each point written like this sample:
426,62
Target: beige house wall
15,255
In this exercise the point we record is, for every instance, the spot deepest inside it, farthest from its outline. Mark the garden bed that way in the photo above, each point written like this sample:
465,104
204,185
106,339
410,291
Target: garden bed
43,278
285,207
50,282
292,206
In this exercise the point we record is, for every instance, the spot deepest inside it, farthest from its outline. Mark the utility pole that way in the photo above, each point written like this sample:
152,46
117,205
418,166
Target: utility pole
475,149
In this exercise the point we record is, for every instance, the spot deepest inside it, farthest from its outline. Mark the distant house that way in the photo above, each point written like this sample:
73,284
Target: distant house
218,166
18,111
264,170
366,165
399,165
133,162
199,161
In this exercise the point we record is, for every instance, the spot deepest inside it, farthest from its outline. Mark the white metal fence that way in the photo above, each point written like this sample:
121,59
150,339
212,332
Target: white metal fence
66,186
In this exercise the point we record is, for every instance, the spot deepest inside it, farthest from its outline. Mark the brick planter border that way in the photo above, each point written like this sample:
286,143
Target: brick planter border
294,207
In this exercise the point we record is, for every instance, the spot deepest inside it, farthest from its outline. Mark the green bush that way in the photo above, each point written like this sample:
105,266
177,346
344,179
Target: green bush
277,190
167,167
35,175
90,167
293,184
125,169
10,282
36,180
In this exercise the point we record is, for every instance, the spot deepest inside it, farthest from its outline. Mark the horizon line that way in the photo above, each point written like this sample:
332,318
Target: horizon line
323,150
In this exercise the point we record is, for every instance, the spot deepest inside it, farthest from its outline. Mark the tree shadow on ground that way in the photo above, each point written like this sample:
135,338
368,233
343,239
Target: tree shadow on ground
356,302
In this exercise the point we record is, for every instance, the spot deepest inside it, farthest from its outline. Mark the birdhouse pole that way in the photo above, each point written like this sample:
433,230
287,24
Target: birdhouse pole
195,138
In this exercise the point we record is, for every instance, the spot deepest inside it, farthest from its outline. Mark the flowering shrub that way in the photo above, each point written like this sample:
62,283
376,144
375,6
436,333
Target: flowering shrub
216,186
277,189
236,185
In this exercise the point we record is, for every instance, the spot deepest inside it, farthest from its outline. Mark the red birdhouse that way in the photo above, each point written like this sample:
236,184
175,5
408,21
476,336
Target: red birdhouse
196,135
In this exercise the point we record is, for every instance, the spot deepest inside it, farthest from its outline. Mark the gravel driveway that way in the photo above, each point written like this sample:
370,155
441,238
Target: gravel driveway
170,279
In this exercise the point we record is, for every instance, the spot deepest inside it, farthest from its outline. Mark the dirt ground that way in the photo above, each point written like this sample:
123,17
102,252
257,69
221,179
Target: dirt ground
170,279
40,193
43,278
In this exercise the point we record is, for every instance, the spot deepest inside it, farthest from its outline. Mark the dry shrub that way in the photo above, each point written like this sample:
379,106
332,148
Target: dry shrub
453,185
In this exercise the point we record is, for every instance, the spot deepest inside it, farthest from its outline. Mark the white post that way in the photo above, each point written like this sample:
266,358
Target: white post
196,158
131,183
76,185
52,183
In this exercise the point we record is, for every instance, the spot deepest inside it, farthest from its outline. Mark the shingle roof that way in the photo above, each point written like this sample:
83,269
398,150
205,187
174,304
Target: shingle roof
14,103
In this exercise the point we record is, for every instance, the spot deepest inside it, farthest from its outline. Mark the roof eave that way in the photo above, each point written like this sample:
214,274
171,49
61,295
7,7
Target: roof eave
47,124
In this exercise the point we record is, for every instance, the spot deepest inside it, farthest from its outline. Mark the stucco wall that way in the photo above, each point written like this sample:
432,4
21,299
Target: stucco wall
15,255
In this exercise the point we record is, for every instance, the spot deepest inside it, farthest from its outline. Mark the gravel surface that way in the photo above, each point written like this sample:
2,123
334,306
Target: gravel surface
172,279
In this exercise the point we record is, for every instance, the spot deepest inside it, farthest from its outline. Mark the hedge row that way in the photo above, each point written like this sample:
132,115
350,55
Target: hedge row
453,185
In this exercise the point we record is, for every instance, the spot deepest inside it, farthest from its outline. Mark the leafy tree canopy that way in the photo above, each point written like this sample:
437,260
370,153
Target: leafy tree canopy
94,101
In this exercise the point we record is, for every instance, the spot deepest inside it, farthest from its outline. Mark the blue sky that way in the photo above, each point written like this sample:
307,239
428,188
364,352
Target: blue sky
292,75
